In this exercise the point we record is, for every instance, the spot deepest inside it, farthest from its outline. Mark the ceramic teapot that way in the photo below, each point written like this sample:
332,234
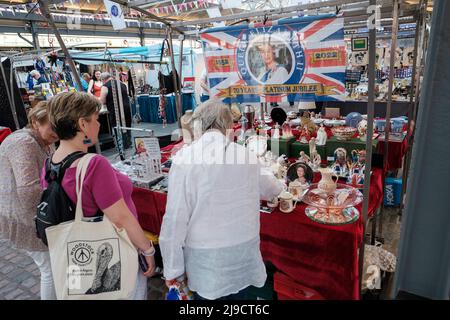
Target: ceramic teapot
286,202
327,184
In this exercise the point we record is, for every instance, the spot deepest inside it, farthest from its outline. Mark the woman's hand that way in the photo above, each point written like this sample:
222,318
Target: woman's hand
151,266
173,281
169,283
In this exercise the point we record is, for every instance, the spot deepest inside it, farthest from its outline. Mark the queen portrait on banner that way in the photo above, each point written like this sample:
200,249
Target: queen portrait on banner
275,73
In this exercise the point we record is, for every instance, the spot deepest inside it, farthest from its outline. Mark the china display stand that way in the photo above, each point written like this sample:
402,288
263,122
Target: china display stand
333,208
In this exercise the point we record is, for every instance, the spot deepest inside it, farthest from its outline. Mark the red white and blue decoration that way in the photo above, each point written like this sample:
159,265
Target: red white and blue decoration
301,59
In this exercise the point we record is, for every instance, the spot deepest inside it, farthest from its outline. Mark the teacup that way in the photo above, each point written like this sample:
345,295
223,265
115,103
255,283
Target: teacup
286,202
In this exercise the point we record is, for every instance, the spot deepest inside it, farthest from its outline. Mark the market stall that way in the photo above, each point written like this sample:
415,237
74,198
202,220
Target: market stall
149,107
319,256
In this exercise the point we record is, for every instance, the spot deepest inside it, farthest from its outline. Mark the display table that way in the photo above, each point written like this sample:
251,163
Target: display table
149,107
349,145
320,257
324,258
4,132
398,108
296,147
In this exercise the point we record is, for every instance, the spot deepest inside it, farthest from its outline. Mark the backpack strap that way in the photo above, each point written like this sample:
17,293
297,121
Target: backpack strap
56,171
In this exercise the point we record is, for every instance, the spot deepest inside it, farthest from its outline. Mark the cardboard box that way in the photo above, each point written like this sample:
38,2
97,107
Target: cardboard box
280,146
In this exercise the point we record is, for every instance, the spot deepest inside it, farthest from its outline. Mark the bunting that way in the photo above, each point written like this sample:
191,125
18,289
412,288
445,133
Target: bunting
186,6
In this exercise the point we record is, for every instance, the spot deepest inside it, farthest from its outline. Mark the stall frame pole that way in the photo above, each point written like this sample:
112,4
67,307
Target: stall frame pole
43,5
35,36
414,89
175,80
387,128
370,116
10,93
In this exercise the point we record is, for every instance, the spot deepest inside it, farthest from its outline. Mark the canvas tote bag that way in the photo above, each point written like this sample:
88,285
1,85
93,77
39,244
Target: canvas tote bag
91,260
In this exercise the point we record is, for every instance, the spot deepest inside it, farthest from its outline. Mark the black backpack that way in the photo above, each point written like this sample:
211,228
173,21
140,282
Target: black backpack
55,205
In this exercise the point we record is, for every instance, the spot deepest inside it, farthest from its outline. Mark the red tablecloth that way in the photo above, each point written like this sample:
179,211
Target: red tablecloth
324,258
396,152
321,257
4,133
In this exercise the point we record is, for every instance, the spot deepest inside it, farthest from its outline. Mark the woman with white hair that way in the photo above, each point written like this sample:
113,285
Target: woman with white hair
210,230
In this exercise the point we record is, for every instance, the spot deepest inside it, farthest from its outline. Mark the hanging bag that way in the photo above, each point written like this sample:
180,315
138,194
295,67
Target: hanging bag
166,81
91,260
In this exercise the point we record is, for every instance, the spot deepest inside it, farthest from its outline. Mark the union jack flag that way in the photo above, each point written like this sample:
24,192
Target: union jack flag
288,60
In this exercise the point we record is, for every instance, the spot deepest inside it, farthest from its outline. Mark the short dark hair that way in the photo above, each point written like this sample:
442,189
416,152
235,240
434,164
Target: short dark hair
65,109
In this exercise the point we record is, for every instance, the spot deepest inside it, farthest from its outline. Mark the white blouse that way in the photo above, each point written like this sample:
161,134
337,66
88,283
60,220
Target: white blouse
211,226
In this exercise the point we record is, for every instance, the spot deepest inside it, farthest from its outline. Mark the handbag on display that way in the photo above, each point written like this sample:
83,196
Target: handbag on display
91,260
166,81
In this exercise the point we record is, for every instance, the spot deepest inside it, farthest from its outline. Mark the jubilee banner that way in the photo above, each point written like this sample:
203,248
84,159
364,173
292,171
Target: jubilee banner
288,60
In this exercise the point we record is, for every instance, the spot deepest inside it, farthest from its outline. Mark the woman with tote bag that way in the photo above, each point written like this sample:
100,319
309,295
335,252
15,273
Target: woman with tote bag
89,258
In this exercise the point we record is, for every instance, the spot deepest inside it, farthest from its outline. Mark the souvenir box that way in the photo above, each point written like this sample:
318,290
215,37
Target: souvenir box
280,146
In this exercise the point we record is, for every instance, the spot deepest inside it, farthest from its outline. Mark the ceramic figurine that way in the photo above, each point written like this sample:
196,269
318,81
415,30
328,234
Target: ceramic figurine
305,121
242,137
276,132
304,135
321,139
312,147
316,160
304,158
358,164
359,156
340,165
279,169
362,130
286,129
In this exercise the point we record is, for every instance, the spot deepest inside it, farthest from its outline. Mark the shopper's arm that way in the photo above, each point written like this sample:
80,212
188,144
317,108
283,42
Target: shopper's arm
91,85
269,185
174,227
121,216
100,177
103,94
27,168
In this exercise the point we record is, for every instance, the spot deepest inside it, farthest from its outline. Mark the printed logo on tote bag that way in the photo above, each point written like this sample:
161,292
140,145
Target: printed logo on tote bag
94,266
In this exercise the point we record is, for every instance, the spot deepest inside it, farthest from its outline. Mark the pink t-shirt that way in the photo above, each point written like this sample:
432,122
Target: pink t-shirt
103,186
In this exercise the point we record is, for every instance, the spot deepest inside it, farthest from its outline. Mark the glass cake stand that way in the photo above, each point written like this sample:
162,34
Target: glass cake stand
337,208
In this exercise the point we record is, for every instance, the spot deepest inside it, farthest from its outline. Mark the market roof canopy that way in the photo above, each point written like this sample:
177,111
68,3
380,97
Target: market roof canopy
199,13
150,53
